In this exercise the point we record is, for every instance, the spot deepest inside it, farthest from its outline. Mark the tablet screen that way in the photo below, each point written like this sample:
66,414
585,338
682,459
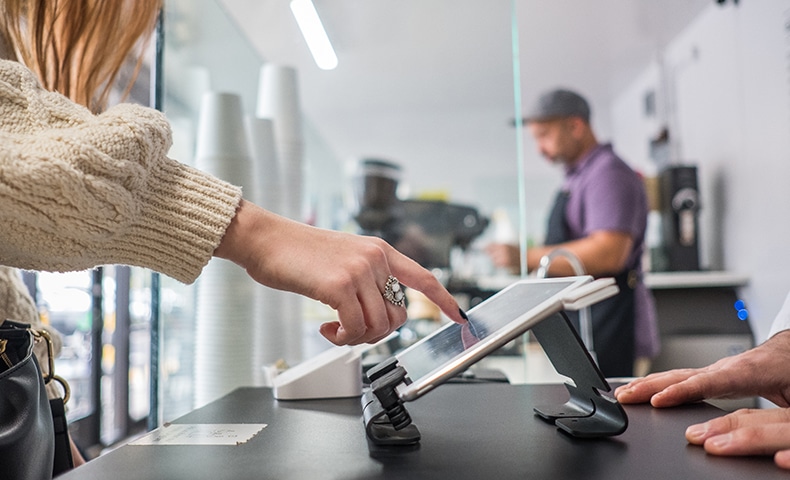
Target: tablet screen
492,323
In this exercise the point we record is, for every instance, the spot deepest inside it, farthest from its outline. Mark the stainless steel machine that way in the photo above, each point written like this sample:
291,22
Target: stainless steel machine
424,230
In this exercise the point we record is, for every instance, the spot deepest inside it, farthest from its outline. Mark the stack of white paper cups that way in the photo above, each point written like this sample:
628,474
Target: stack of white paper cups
272,332
224,345
278,101
265,164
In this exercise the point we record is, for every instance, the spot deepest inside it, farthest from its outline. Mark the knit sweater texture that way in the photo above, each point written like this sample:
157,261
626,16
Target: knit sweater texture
79,190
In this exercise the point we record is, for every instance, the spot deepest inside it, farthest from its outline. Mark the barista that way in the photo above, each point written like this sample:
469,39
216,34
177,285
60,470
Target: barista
599,216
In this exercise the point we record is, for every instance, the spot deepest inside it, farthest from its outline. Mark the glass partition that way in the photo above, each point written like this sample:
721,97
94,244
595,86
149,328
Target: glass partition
423,106
420,115
203,51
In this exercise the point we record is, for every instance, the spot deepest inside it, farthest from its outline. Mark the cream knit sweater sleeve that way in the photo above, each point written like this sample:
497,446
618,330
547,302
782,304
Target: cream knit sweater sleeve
79,190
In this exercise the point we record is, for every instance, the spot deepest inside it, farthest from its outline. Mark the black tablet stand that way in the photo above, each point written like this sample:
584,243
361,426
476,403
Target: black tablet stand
587,414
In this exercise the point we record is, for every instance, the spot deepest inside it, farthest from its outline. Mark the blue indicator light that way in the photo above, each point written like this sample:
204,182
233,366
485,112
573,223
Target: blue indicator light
739,305
743,314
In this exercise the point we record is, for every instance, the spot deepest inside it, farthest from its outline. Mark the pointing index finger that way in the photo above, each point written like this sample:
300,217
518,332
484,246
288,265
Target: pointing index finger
411,274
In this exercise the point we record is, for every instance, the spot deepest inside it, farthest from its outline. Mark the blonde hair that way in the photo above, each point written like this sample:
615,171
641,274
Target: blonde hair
78,47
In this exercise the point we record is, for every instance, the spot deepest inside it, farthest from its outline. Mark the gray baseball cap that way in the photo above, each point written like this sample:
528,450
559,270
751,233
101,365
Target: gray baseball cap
559,103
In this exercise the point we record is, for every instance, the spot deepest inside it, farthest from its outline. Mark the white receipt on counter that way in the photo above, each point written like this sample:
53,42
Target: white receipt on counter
201,434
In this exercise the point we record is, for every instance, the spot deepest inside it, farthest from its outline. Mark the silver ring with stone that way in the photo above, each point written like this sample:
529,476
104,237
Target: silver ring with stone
393,292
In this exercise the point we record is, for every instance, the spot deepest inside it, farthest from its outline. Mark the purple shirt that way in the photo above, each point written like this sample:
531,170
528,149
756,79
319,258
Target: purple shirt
606,194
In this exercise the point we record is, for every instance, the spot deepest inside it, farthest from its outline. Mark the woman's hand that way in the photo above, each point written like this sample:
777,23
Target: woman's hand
347,272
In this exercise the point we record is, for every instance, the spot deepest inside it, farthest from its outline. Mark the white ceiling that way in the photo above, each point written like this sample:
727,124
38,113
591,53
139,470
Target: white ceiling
421,80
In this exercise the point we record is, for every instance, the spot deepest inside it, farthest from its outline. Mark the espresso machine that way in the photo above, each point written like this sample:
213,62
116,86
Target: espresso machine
680,206
424,230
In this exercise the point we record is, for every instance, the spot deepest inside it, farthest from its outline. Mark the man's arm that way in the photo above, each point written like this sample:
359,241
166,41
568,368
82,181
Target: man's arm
601,253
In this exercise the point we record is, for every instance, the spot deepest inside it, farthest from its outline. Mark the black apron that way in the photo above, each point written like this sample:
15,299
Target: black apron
612,319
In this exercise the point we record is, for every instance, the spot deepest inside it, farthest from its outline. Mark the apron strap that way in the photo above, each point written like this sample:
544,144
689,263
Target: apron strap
558,231
613,318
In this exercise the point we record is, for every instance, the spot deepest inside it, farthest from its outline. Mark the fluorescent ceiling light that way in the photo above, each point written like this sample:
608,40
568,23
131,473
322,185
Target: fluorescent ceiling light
314,34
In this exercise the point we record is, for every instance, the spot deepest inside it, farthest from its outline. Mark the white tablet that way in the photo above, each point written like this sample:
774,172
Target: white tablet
453,348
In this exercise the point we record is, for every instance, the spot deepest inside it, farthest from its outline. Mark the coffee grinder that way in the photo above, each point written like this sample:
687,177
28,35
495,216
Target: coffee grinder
424,230
375,185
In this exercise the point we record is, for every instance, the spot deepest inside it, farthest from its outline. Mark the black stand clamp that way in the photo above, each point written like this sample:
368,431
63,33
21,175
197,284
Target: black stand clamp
386,420
587,414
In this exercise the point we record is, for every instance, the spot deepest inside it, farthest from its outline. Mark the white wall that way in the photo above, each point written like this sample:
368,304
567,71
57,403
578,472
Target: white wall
726,83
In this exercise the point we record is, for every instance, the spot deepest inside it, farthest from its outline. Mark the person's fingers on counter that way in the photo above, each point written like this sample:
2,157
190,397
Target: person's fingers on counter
782,459
642,390
745,432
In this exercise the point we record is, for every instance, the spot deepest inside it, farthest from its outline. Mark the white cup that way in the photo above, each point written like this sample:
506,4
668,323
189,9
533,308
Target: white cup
266,166
222,148
278,99
225,318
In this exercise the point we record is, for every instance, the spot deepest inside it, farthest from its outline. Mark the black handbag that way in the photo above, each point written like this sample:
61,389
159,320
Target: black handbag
34,441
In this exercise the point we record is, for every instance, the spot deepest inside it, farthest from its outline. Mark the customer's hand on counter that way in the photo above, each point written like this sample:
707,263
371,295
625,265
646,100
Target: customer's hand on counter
762,371
746,432
347,272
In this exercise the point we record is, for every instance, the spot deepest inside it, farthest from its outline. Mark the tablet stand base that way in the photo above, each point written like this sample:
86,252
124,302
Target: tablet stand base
588,413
